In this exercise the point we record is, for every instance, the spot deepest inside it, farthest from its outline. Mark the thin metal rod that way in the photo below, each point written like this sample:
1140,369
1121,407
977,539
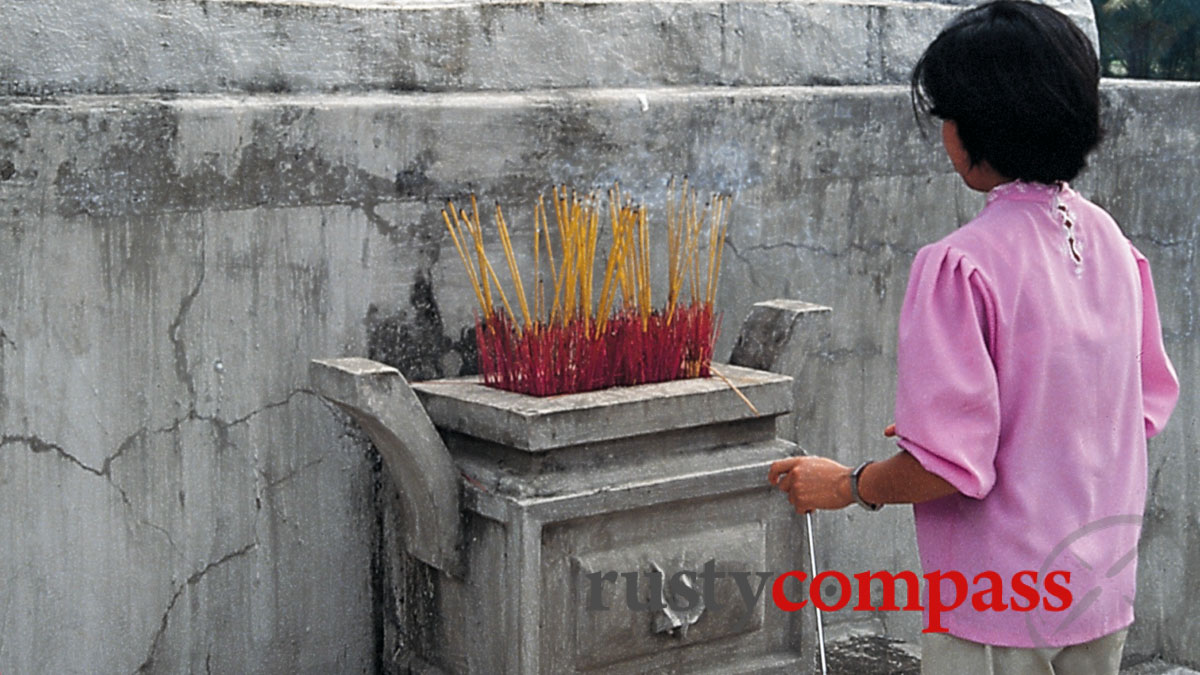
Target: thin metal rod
812,561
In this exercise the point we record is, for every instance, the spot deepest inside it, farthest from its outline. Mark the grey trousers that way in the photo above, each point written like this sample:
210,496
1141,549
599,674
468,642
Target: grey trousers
944,654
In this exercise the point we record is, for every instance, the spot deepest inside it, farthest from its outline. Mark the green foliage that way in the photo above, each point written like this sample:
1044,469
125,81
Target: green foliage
1157,39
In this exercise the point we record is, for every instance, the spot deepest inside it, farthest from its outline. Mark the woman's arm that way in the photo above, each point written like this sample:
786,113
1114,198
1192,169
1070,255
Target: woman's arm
821,483
901,480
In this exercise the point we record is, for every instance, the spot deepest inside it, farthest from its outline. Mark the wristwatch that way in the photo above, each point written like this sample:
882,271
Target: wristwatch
854,476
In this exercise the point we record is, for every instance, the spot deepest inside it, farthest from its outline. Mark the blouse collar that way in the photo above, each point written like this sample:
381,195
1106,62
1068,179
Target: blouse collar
1026,191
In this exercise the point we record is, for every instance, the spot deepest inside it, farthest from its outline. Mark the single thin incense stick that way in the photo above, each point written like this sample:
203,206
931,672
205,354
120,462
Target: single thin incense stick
737,391
812,561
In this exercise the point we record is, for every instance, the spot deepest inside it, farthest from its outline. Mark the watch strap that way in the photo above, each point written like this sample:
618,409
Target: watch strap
854,476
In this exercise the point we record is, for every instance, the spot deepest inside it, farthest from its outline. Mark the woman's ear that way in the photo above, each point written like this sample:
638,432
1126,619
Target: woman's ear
981,176
958,154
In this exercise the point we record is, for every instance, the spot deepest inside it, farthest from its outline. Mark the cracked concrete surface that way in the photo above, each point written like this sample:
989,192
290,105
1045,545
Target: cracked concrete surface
192,471
173,331
148,665
38,445
140,510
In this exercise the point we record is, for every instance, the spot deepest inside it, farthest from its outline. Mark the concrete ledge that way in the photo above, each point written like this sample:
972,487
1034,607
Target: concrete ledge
543,423
54,46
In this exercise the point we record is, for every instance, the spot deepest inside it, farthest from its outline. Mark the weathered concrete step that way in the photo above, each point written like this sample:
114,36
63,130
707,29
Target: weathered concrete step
118,156
358,45
1158,667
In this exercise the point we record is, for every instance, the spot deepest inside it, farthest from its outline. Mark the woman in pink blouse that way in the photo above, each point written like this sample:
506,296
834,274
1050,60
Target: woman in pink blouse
1031,368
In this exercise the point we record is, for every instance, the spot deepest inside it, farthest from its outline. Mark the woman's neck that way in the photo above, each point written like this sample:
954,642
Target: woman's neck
983,177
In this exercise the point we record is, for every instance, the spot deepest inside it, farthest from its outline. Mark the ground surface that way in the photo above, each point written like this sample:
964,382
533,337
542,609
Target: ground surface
878,655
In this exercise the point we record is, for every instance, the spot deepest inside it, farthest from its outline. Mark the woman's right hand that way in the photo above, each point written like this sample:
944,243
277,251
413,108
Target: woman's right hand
889,430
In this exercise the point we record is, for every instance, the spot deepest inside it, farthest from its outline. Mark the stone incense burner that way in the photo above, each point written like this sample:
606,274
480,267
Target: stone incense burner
525,505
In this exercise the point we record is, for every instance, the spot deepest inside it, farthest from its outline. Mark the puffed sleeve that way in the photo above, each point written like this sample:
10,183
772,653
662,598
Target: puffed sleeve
1160,385
947,395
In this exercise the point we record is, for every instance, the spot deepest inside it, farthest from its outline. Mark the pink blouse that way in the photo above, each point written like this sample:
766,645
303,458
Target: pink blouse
1031,371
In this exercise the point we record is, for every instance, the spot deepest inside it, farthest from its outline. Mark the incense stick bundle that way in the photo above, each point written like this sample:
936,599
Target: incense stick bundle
574,335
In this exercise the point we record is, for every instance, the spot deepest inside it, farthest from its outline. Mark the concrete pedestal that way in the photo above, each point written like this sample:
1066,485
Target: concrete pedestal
651,479
577,511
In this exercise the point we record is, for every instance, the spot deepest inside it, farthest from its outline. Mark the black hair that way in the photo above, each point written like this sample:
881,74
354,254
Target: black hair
1021,82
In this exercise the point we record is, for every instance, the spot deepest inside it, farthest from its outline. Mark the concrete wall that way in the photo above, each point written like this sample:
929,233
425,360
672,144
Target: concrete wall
1148,175
175,499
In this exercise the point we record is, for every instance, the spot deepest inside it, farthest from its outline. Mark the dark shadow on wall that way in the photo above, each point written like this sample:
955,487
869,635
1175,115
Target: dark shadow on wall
414,340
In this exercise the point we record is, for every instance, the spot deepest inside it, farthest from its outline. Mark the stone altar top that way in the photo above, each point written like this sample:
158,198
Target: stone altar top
537,424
